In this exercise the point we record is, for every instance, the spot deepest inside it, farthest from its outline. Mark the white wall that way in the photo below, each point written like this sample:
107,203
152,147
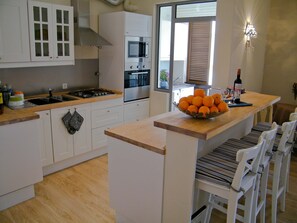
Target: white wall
231,52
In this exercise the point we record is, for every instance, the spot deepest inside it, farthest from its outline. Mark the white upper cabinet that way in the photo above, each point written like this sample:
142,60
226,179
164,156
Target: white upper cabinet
14,35
51,32
138,25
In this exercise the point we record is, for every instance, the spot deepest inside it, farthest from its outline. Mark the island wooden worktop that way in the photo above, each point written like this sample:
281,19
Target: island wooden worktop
142,133
208,128
10,116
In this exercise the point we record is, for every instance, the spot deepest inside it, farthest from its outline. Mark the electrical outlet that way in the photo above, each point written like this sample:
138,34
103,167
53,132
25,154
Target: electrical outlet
64,86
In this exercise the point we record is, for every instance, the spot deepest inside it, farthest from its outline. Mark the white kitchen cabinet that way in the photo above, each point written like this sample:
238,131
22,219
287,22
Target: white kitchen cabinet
46,149
136,110
137,24
66,145
51,32
14,34
105,114
20,165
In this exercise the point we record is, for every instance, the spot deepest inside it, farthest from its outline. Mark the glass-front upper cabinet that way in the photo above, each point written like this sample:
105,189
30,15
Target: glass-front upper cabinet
40,31
51,32
63,31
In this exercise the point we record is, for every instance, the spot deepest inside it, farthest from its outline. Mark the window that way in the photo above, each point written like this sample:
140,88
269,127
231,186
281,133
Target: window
185,43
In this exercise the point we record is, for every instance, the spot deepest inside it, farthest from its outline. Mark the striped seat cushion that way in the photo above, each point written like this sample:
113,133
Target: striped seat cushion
253,137
216,168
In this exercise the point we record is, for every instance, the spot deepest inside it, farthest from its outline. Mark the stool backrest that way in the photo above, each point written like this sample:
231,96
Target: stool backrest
293,117
288,129
248,161
269,137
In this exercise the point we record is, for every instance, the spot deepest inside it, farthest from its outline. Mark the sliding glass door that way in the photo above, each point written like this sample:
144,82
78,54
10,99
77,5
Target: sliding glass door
185,43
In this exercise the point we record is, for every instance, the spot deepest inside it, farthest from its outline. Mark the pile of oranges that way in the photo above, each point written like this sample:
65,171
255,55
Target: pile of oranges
200,103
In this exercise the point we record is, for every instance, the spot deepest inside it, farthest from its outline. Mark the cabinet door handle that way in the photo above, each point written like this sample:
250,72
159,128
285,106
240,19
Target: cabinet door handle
57,57
0,58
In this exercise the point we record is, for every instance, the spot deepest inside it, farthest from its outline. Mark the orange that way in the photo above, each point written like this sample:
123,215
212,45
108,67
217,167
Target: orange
204,110
214,109
182,99
197,101
217,98
189,99
192,109
208,101
183,105
199,92
223,107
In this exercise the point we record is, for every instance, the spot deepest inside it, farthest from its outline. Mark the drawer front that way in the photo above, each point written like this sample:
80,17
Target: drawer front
99,139
108,116
136,111
107,104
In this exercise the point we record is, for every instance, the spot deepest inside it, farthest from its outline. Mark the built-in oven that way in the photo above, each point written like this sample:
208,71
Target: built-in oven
137,52
136,84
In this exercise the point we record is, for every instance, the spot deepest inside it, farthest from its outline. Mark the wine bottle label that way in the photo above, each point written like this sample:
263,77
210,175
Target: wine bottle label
237,86
1,98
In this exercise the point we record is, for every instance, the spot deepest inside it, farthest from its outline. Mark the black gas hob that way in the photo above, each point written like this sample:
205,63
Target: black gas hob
91,93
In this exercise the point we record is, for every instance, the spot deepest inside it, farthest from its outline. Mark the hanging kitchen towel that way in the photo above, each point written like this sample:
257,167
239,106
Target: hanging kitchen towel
66,119
76,121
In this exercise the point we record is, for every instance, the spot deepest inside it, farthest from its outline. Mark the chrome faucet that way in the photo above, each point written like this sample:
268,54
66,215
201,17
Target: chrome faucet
50,92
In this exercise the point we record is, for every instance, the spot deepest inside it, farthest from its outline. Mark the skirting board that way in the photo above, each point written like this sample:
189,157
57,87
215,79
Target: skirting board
73,161
16,197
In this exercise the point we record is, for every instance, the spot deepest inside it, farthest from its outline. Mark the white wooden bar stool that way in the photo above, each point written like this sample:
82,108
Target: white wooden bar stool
224,178
281,159
231,146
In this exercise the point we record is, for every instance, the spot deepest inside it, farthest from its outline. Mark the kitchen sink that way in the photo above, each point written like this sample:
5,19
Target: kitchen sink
51,100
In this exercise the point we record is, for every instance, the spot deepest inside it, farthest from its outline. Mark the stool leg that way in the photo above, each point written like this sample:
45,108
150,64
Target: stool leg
288,174
209,209
284,180
275,186
264,180
232,207
248,206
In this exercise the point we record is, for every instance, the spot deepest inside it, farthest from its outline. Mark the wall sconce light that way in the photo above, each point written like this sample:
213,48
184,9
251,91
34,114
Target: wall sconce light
250,32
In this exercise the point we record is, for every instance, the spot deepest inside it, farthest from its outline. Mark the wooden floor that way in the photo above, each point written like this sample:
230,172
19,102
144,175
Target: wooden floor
80,194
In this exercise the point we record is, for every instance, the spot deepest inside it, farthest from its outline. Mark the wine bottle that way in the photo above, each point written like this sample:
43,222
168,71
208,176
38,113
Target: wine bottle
1,103
237,87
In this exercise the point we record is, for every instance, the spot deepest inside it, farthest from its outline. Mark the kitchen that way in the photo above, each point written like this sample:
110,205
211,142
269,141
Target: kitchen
76,76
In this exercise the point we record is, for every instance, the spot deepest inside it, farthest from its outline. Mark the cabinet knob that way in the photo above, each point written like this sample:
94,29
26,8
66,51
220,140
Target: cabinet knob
108,110
51,57
131,67
137,104
0,58
57,57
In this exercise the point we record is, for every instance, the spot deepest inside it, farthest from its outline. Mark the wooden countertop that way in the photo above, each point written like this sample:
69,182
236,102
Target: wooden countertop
208,128
10,116
142,134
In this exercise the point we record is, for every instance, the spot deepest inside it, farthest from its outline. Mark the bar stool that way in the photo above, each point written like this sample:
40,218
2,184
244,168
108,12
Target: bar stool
231,146
224,178
281,158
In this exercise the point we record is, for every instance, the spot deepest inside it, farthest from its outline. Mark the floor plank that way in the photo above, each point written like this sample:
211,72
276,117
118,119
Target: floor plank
81,194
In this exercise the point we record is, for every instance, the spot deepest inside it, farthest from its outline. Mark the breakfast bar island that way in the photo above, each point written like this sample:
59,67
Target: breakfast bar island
152,162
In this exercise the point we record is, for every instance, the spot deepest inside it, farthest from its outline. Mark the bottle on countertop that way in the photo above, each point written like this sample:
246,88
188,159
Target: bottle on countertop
237,87
1,103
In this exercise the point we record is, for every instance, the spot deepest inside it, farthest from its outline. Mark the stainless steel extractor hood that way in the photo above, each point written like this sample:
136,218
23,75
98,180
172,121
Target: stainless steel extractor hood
83,34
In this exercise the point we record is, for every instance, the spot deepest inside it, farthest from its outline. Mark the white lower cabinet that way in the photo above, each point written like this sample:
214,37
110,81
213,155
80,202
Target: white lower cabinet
136,110
46,148
105,114
66,145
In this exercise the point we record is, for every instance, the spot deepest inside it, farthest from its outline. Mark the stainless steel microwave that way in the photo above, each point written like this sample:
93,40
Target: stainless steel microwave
137,49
